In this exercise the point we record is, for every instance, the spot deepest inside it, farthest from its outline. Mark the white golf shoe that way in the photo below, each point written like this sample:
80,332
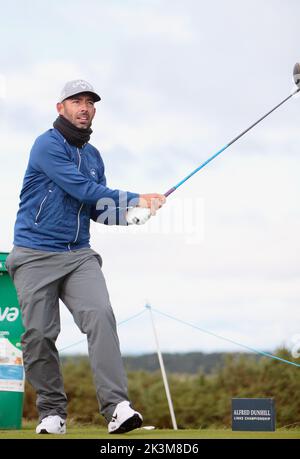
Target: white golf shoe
52,425
124,419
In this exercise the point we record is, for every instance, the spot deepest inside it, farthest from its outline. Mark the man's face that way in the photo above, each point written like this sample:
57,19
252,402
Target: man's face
78,109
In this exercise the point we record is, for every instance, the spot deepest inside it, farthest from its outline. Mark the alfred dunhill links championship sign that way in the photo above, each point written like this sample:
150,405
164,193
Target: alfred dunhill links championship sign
256,414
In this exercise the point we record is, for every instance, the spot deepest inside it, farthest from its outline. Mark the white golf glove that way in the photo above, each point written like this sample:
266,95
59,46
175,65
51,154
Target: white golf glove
138,215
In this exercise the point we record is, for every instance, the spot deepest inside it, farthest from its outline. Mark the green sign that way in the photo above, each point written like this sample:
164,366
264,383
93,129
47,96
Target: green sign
11,360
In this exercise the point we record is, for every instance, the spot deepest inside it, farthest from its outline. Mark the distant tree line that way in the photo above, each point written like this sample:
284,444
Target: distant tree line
189,362
201,399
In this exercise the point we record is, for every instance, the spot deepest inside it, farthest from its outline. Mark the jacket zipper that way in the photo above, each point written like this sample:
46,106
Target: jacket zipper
78,215
41,206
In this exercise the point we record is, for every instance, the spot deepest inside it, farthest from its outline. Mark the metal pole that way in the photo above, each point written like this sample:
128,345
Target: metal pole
163,372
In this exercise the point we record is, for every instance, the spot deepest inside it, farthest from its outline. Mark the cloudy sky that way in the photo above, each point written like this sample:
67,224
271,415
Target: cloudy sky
178,80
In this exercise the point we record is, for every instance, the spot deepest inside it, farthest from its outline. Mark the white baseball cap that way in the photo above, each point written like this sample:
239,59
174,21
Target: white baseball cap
71,88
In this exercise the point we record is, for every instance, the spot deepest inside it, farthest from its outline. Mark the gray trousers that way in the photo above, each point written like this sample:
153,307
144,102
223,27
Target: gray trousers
41,279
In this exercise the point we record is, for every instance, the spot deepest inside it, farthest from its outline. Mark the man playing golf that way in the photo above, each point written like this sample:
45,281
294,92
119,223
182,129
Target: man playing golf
63,188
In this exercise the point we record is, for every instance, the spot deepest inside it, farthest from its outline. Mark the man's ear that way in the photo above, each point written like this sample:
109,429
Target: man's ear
60,108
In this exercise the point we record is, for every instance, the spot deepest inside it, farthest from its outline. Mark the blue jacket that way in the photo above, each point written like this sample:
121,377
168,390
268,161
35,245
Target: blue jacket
60,194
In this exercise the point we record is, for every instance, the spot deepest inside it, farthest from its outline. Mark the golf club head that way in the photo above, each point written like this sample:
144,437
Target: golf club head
296,74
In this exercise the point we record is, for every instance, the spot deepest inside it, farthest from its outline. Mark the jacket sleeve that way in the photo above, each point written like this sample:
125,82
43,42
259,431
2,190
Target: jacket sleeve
50,157
109,215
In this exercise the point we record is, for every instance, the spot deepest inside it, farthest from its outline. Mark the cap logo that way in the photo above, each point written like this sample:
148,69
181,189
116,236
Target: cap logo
81,84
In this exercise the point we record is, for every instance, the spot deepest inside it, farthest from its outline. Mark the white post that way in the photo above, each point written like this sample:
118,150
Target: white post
162,367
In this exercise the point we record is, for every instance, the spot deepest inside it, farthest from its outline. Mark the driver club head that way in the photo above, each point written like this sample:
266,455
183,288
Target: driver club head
296,74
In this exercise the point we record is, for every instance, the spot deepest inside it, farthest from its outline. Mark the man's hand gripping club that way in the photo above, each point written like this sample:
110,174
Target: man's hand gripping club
147,206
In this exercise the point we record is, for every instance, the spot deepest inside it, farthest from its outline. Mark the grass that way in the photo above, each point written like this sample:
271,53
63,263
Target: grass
76,431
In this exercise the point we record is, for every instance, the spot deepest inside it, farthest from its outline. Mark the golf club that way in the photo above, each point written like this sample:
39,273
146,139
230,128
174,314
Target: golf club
296,74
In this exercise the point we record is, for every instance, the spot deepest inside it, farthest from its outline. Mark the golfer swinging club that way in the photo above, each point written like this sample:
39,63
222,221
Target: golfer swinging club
63,188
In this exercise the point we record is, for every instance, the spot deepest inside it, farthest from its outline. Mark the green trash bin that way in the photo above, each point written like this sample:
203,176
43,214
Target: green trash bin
11,361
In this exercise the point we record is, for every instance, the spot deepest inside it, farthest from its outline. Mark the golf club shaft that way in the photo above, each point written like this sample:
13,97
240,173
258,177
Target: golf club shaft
171,190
